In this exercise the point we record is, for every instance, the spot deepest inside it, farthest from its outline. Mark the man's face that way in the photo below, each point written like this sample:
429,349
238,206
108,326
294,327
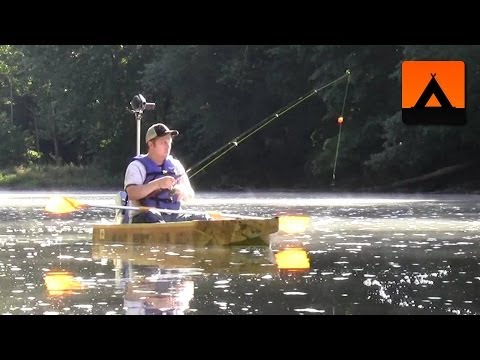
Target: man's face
162,145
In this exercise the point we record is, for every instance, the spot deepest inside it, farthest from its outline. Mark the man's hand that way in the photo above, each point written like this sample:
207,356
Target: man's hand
180,191
165,182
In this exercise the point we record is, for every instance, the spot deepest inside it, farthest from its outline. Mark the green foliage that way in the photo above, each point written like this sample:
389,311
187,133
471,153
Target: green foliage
371,96
33,156
411,151
12,147
70,106
57,177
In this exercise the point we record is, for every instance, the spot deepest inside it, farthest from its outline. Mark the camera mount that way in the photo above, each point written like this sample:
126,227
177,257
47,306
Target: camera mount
139,105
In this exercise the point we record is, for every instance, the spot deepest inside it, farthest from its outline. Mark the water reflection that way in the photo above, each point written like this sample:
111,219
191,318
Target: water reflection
416,256
161,279
61,283
158,294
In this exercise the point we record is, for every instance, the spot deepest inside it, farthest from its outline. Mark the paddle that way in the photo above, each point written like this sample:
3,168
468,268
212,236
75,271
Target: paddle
62,205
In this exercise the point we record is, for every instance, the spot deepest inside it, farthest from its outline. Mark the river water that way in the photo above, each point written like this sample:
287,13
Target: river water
367,254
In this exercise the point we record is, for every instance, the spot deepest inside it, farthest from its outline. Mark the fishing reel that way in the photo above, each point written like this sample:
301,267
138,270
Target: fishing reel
139,104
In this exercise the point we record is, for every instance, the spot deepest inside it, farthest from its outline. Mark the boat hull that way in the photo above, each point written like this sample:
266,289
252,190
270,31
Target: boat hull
218,232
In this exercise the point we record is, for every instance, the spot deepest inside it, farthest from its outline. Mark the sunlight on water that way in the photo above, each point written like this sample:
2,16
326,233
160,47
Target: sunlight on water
270,200
366,255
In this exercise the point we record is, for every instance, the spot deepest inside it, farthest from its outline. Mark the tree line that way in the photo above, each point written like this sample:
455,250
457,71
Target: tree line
69,104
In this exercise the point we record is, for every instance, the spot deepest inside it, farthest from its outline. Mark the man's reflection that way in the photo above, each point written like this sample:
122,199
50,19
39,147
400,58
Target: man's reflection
158,280
159,294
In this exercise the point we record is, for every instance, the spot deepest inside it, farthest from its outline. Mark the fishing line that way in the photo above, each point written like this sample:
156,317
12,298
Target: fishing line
340,122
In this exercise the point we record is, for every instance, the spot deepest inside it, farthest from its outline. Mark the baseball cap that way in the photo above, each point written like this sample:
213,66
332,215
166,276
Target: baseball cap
159,129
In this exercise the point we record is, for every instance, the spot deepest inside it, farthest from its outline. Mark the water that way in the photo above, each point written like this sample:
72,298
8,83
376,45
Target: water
383,254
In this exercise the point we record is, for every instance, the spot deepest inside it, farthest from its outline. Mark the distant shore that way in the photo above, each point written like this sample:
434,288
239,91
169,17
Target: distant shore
81,178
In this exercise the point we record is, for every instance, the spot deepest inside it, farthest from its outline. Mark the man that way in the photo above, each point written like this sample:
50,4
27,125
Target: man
158,180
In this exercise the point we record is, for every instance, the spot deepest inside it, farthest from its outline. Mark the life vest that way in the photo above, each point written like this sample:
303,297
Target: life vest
162,199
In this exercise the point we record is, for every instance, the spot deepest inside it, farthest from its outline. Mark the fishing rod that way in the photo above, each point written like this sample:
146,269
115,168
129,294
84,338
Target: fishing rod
217,154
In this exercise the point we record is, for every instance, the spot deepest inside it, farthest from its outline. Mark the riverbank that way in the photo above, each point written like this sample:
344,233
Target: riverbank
67,177
87,178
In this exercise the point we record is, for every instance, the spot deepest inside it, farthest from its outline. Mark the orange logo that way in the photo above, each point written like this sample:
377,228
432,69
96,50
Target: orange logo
433,92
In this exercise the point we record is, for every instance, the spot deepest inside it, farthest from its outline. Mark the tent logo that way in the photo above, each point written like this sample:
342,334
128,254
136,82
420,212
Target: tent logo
433,92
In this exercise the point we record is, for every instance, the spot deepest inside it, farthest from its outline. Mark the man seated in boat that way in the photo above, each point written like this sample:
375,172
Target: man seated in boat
158,180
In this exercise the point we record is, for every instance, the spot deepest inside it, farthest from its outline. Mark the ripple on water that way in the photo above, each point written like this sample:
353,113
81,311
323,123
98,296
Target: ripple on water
310,310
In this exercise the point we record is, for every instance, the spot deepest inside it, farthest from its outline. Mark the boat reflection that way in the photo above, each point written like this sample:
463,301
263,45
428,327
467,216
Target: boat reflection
160,280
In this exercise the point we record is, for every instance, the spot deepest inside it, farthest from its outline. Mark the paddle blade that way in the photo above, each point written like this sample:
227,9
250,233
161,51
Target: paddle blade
216,215
292,224
62,205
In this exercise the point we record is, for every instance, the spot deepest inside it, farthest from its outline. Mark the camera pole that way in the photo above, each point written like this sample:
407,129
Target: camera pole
138,117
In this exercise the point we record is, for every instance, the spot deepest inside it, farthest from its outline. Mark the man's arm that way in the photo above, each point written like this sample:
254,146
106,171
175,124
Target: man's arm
134,178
